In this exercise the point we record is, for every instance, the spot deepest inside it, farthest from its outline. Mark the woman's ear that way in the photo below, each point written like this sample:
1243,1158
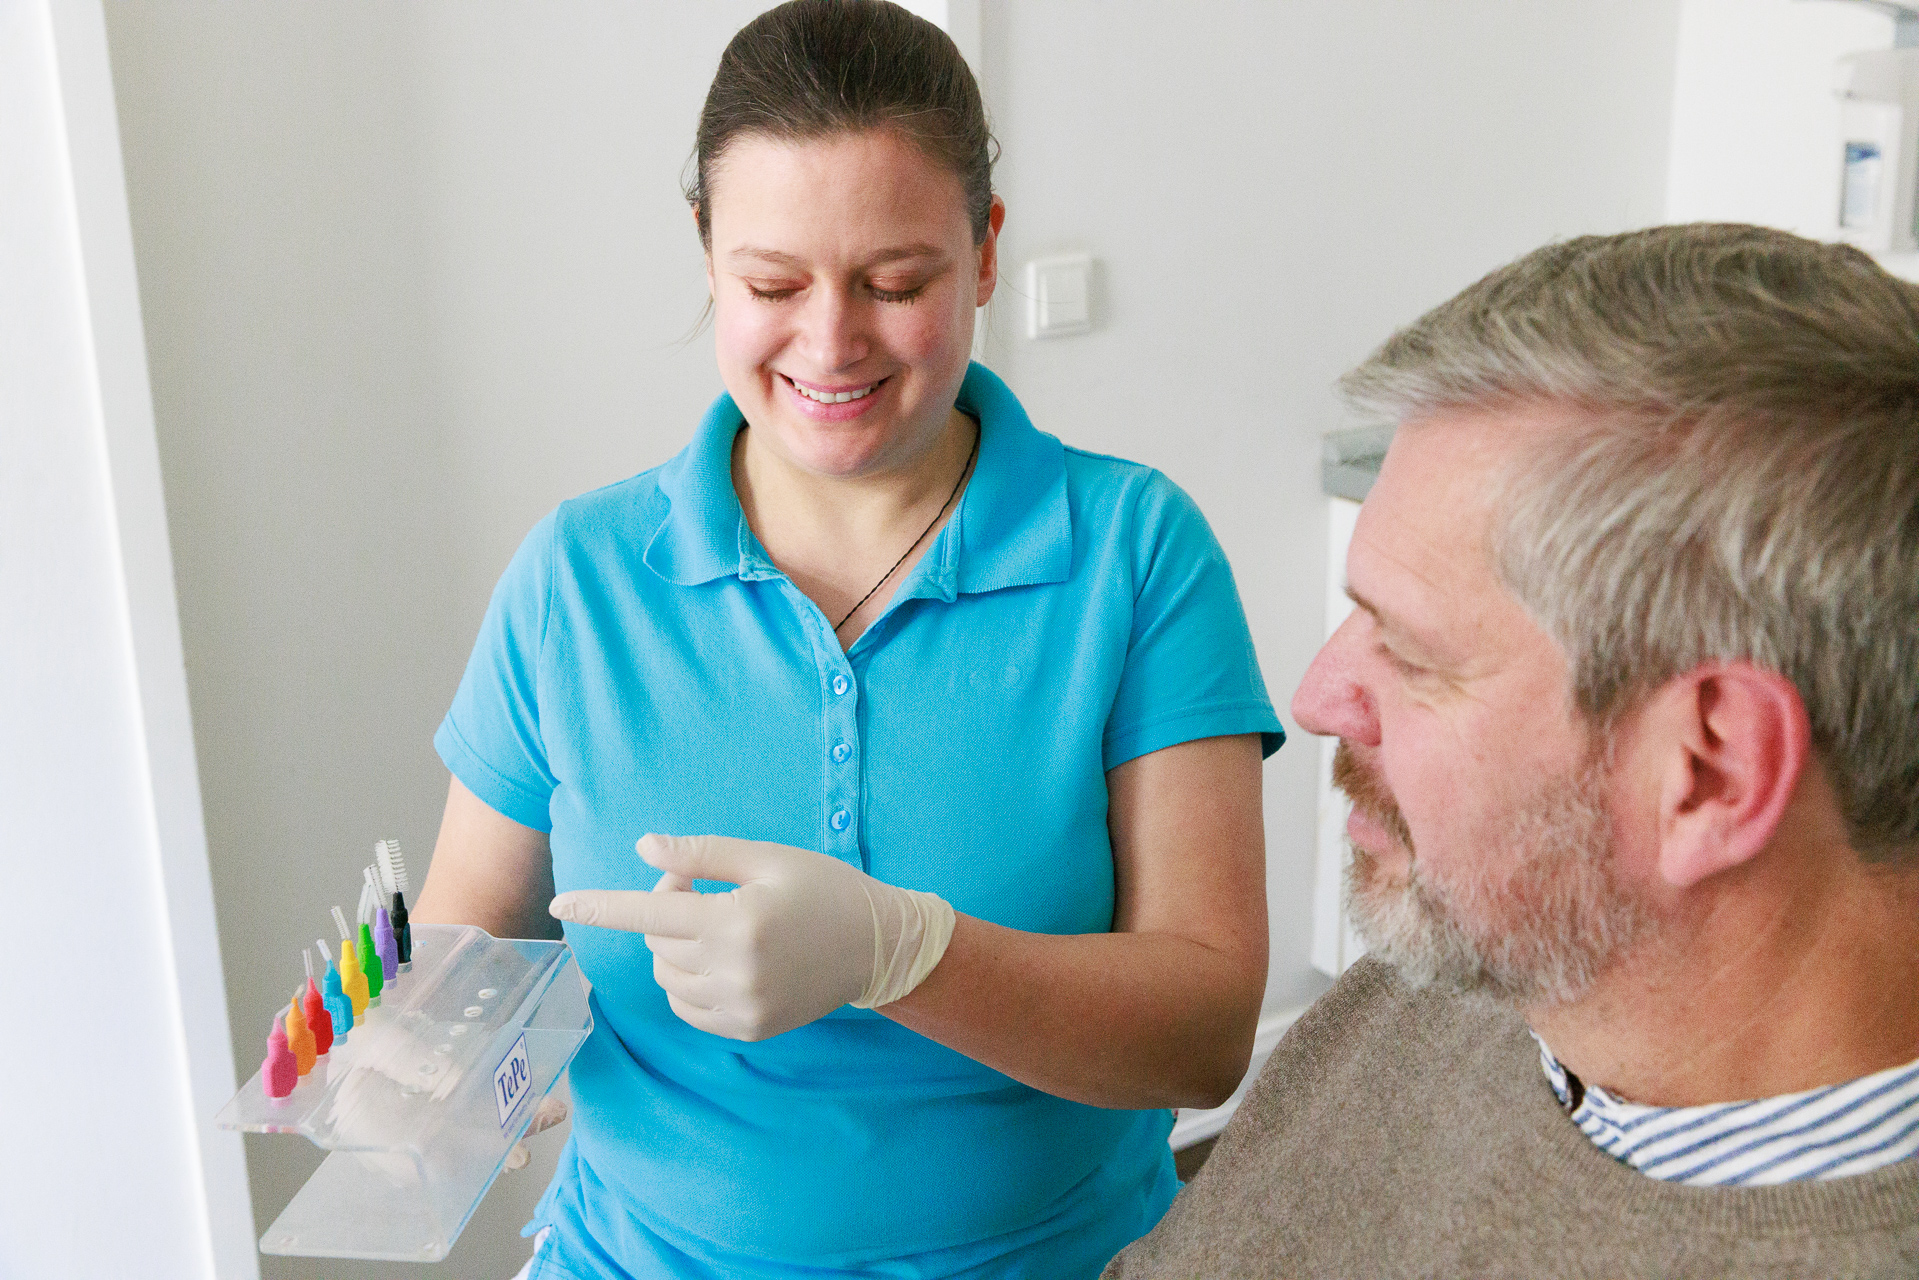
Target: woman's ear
989,252
1730,742
708,251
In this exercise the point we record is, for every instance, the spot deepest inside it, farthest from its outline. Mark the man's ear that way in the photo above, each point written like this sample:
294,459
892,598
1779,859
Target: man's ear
1732,741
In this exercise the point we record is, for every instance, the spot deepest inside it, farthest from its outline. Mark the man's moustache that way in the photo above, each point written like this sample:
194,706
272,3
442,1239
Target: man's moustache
1368,793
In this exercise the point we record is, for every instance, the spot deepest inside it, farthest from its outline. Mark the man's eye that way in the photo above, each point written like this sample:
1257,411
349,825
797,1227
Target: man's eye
1400,664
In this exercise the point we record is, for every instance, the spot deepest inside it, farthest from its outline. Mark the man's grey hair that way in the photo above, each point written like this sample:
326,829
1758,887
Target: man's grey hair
1747,486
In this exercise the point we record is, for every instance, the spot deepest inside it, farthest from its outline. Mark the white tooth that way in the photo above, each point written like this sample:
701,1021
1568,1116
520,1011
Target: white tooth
833,397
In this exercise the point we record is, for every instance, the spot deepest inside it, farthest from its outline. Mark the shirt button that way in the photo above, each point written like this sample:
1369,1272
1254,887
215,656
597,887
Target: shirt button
840,819
840,685
842,753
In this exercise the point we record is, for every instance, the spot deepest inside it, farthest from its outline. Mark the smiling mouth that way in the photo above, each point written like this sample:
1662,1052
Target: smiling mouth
834,397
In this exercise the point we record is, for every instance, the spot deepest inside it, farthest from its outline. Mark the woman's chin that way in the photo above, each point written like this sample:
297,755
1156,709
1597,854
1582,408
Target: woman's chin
839,450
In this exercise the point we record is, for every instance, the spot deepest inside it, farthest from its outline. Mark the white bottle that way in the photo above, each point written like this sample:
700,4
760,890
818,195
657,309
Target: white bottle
1878,149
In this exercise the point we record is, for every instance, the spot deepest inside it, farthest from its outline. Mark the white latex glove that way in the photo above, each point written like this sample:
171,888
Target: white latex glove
801,936
551,1111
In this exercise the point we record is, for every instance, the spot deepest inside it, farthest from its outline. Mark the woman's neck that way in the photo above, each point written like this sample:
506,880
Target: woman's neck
836,536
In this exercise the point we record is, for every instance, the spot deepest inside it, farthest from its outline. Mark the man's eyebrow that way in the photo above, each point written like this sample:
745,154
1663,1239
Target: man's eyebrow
1393,629
897,253
1363,603
1381,619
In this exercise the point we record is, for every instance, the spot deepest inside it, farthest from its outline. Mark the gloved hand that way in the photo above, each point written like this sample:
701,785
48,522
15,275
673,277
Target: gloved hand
551,1111
802,935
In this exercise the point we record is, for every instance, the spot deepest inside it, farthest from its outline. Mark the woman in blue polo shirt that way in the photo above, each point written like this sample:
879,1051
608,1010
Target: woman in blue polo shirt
971,719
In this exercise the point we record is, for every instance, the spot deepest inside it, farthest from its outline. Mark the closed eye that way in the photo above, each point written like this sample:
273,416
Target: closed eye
775,293
1398,663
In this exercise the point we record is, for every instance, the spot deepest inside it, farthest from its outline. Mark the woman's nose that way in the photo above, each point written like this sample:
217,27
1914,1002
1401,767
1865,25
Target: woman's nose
833,330
1331,700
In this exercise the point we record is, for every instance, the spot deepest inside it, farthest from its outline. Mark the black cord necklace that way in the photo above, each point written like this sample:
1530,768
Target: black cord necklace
974,453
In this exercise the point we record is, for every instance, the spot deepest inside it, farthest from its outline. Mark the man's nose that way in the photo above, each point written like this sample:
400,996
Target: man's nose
834,330
1331,700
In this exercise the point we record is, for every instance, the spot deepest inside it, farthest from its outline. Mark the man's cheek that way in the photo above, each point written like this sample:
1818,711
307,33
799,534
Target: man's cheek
1430,812
1420,790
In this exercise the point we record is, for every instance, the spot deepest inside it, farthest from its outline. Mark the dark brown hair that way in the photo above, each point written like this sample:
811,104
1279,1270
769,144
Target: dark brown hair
811,68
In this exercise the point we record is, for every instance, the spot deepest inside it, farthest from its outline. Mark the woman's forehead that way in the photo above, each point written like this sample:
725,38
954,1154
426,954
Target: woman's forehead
870,187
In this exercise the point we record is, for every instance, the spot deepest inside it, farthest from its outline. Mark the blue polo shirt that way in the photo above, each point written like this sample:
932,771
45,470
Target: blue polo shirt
644,666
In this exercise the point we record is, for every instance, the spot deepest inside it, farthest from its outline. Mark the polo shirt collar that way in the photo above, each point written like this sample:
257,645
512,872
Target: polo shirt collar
701,537
1013,527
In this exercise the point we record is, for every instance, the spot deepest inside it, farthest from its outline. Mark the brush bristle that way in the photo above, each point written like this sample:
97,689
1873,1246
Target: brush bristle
392,868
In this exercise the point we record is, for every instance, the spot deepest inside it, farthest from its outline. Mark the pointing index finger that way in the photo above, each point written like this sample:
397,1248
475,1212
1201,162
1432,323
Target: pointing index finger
666,915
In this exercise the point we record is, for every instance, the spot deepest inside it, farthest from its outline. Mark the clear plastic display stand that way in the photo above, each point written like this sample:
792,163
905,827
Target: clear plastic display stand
430,1091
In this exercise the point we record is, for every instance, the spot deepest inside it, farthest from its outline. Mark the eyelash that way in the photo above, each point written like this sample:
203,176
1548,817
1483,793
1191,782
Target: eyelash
1400,664
908,296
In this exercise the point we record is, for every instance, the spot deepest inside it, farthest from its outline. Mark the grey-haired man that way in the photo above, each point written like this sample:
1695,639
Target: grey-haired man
1629,712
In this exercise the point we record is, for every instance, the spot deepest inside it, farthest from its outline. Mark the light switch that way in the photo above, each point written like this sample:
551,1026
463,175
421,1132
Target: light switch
1058,296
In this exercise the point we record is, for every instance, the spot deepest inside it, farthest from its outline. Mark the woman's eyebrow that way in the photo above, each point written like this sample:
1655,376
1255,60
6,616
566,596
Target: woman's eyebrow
904,252
897,253
766,255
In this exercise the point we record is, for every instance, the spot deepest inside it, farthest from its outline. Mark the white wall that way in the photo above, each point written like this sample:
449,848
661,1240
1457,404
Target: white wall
1755,124
114,1050
1755,132
1269,190
414,273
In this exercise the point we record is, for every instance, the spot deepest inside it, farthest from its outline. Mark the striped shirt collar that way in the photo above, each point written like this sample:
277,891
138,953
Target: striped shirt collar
1832,1132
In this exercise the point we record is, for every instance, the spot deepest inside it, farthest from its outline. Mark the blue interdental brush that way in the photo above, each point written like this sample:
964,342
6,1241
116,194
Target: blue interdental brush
338,1003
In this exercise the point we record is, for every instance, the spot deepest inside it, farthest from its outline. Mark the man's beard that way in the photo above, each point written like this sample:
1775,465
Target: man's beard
1534,917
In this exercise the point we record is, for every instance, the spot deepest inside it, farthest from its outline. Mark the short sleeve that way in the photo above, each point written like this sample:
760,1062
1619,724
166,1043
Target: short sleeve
490,738
1190,669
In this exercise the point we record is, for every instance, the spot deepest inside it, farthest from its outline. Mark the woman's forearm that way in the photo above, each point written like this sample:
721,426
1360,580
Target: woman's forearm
1114,1020
1160,1012
487,870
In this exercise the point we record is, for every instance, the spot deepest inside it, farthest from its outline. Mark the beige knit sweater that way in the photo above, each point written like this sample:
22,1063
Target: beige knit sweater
1402,1133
